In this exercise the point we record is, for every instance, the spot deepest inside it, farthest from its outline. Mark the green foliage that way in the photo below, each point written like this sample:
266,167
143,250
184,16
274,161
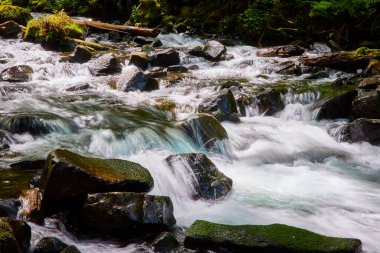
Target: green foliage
147,13
17,14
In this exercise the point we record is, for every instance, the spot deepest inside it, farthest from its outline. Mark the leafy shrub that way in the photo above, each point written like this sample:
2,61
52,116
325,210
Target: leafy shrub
15,13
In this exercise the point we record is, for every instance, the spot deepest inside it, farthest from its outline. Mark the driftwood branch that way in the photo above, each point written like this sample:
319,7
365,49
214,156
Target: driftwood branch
137,31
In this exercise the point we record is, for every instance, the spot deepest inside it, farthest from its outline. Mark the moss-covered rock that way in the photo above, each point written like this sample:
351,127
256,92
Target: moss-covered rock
209,182
10,29
68,175
125,210
15,236
15,13
139,59
165,243
274,238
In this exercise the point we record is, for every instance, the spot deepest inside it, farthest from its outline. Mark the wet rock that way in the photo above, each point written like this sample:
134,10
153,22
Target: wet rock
9,208
270,102
243,100
15,236
19,73
157,72
335,107
134,79
205,130
193,67
139,59
362,130
209,182
177,69
81,55
141,41
318,48
318,75
6,139
281,51
230,84
213,50
156,43
165,243
366,105
10,29
204,235
35,123
69,176
79,87
50,245
370,83
31,201
373,68
125,210
29,165
165,58
106,64
222,107
71,249
289,68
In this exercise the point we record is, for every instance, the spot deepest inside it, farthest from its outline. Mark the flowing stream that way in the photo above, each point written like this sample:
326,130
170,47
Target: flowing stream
288,168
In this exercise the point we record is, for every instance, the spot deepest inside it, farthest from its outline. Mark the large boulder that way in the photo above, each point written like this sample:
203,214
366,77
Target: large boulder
213,50
15,236
205,130
68,176
281,51
165,243
19,74
366,105
10,29
362,130
139,59
17,14
81,55
106,64
209,183
126,210
335,107
269,102
222,107
134,79
203,235
165,58
50,245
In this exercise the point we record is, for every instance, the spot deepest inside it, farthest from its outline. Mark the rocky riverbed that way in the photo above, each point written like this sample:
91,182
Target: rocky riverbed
123,149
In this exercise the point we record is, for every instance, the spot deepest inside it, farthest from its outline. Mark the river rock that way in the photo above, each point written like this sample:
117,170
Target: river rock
366,105
126,210
19,73
177,69
281,51
209,182
31,202
15,236
204,235
335,107
213,50
141,41
10,29
157,72
165,58
50,245
71,249
68,176
36,123
370,83
205,130
270,102
362,130
222,107
139,59
81,55
106,64
9,208
134,79
373,68
165,243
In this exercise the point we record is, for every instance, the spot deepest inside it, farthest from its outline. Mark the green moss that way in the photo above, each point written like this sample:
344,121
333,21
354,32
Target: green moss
276,237
15,13
365,51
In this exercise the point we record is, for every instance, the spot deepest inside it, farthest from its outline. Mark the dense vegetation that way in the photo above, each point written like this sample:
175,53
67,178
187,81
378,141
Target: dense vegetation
349,23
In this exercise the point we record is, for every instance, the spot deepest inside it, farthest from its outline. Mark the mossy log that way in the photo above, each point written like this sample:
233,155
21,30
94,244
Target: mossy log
133,30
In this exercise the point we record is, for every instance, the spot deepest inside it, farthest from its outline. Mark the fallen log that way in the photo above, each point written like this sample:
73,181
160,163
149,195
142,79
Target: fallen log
133,30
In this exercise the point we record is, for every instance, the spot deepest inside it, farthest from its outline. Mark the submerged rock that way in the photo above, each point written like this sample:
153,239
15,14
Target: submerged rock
362,130
19,73
126,210
134,79
335,107
81,55
222,107
50,245
209,182
165,243
10,29
270,102
281,51
204,235
15,236
366,105
105,65
139,59
68,175
165,58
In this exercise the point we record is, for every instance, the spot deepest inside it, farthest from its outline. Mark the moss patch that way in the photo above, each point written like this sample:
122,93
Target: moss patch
269,238
15,13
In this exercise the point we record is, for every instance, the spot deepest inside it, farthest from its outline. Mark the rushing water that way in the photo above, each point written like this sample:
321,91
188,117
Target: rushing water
286,168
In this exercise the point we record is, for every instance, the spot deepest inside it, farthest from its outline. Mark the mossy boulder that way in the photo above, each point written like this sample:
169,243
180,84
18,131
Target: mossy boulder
15,236
208,182
204,235
126,210
134,79
18,73
222,106
362,130
165,243
366,105
68,175
50,245
81,55
15,13
139,59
